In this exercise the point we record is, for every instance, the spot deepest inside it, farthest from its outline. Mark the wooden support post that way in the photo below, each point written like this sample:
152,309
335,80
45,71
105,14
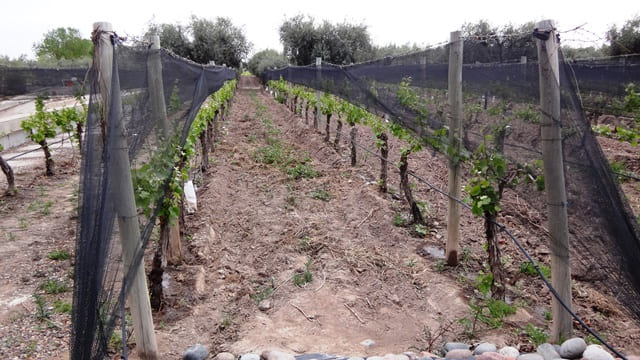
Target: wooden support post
354,134
316,120
455,126
551,134
156,87
124,199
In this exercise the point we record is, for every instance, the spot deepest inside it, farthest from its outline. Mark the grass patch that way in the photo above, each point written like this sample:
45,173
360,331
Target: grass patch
59,255
527,268
320,194
536,335
399,220
52,286
61,307
302,171
263,292
305,277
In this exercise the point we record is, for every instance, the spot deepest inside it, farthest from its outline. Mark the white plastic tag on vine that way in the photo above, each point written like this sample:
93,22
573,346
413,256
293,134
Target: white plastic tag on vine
190,197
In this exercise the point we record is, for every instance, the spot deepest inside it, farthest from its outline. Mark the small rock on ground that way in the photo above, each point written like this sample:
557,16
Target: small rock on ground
483,348
548,351
493,356
276,355
196,352
225,356
250,357
509,351
454,345
530,357
573,348
458,354
596,352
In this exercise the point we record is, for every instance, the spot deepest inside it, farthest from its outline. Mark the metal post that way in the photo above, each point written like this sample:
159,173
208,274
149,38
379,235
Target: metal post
455,120
124,199
551,135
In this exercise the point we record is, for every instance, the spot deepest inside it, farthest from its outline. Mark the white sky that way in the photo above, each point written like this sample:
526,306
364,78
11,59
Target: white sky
24,22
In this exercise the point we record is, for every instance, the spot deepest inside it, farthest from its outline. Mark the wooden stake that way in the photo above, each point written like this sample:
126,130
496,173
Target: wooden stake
554,175
455,120
124,198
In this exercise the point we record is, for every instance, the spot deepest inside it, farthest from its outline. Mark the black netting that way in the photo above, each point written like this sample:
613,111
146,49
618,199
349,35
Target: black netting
125,135
604,235
23,80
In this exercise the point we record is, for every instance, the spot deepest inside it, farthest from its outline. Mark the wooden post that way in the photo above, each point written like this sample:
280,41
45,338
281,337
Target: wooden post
156,87
354,134
554,175
316,121
124,199
455,126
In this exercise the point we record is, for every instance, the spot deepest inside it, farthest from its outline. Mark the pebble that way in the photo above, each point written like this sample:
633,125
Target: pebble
196,352
573,348
483,348
276,355
395,357
509,351
455,345
530,357
264,305
493,356
250,357
368,343
548,351
596,352
458,354
225,356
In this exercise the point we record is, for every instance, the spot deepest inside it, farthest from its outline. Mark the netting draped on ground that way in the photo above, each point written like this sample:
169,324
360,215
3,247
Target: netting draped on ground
604,235
150,130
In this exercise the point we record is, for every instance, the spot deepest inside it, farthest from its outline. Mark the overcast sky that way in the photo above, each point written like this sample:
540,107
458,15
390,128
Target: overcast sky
23,22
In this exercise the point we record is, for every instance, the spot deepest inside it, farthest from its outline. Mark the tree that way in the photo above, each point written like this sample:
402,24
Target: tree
626,40
8,172
218,41
488,43
264,60
63,43
342,43
172,37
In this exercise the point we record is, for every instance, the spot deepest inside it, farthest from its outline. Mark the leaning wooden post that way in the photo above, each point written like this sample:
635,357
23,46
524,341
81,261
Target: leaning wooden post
455,119
551,134
124,199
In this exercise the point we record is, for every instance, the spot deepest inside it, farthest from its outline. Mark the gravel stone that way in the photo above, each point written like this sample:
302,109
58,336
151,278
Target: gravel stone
484,347
596,352
196,352
573,348
548,351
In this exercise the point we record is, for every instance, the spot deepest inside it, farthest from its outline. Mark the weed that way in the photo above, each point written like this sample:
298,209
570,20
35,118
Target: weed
61,307
548,315
302,171
528,114
399,220
291,200
59,255
52,286
590,339
305,243
528,268
42,312
116,340
43,208
263,292
536,336
11,236
440,265
421,229
33,346
251,138
411,263
225,323
305,277
320,194
619,168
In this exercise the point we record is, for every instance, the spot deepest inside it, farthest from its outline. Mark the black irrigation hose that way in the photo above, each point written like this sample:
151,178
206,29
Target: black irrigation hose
518,244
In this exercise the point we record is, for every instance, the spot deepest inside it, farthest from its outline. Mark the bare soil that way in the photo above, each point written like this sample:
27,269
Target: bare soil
256,228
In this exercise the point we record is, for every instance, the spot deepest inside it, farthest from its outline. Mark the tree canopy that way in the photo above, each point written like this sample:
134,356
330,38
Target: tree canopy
63,43
266,59
205,40
304,40
626,40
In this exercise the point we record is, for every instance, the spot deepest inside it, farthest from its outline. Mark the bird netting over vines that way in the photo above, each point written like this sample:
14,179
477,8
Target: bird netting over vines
135,139
501,92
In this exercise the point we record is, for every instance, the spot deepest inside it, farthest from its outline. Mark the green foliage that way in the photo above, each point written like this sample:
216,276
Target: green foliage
632,99
483,283
263,292
421,229
264,60
626,40
63,43
62,307
40,125
328,104
53,286
399,220
174,100
528,114
302,171
528,268
590,339
305,277
59,255
536,336
320,194
44,208
42,312
619,168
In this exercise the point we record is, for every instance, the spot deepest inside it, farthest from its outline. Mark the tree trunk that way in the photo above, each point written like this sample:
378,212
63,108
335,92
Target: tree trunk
205,150
216,128
306,114
158,266
8,172
336,143
497,285
354,133
210,134
384,152
404,186
327,129
79,134
48,160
